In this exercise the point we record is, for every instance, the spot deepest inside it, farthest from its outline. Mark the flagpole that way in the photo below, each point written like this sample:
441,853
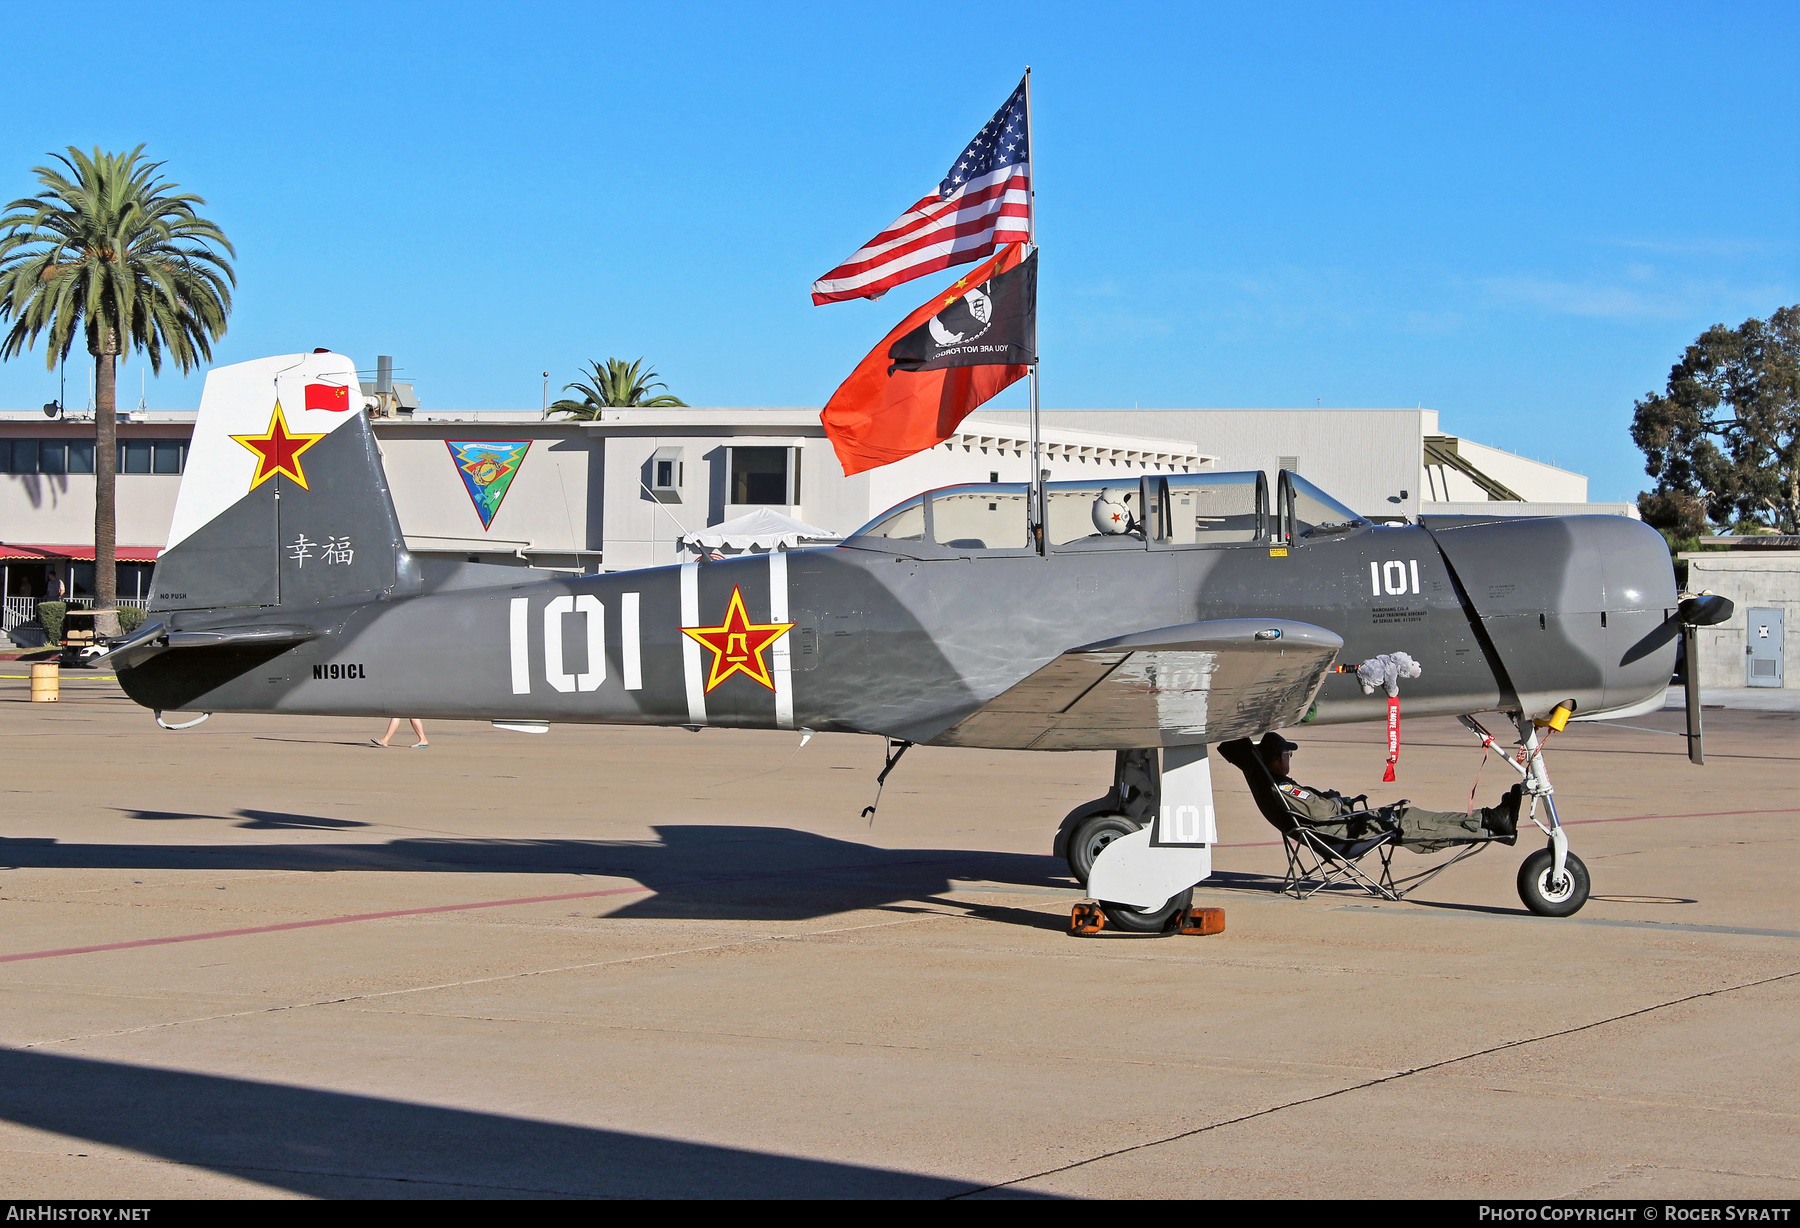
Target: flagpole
1039,511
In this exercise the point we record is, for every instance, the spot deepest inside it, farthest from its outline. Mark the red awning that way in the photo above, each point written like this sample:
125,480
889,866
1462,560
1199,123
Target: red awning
80,554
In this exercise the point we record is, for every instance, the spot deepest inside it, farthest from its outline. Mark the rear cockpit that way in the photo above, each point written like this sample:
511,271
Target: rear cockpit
1160,511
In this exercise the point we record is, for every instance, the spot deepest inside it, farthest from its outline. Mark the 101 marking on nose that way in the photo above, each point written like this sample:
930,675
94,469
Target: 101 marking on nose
1390,578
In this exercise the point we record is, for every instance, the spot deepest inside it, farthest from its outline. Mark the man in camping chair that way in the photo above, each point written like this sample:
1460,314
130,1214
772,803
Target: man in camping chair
1422,831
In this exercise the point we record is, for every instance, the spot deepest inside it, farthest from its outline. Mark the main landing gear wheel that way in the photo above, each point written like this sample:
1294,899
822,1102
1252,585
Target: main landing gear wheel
1090,836
1131,920
1549,898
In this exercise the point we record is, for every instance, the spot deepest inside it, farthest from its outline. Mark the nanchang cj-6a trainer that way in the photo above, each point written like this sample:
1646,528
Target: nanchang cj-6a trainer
1152,618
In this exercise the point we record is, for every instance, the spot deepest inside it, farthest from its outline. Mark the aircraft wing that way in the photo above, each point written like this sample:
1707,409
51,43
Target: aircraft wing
1173,686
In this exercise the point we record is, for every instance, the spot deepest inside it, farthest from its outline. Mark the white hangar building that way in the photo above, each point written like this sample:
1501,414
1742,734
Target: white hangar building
641,487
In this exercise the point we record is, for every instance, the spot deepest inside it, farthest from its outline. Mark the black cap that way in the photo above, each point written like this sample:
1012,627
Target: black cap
1273,746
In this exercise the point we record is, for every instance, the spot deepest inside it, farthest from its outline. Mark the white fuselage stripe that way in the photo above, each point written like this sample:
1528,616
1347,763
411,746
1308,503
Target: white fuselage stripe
631,656
690,649
778,613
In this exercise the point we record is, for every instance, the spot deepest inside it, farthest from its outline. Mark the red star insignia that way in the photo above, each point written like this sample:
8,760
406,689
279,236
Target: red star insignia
737,644
278,450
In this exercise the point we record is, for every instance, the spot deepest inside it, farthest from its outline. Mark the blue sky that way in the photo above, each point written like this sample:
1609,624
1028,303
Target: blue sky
1515,214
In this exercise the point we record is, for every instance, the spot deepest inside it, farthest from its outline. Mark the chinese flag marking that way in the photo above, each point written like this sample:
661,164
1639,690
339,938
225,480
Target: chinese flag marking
278,450
333,398
737,644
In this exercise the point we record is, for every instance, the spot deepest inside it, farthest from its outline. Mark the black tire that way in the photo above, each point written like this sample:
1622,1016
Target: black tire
1090,836
1548,899
1134,921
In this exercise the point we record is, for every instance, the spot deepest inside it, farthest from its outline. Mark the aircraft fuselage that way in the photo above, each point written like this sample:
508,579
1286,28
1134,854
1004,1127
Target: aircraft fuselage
907,642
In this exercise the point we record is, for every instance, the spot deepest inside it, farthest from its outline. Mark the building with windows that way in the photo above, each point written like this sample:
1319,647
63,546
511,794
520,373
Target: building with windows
47,505
627,490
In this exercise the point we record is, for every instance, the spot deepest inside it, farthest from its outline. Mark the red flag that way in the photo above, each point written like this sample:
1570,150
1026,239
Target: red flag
877,417
332,397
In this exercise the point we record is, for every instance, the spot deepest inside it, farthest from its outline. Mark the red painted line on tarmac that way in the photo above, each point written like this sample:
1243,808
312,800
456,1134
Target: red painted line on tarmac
1705,814
1629,818
302,925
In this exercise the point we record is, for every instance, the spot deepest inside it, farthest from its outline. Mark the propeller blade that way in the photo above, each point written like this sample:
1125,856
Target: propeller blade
1690,676
1700,610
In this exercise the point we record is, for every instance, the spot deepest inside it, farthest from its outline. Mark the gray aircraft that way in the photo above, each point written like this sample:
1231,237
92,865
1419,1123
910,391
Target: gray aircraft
1150,616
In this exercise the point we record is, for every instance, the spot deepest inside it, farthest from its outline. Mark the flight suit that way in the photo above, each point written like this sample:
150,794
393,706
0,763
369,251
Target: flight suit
1421,830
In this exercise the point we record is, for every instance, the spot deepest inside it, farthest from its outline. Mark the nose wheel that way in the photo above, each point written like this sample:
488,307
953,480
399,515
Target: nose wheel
1547,895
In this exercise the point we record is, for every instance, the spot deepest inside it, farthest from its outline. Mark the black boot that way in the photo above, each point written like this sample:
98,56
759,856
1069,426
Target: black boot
1503,820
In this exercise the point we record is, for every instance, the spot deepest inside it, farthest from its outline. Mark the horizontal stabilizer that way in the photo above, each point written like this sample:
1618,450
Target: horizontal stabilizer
157,639
1172,686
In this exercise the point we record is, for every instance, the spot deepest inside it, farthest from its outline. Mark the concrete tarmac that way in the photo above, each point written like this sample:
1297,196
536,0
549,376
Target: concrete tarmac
261,958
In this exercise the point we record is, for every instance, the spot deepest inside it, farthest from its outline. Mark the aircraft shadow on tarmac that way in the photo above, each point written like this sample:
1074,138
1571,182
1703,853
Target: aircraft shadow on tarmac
332,1144
696,872
693,872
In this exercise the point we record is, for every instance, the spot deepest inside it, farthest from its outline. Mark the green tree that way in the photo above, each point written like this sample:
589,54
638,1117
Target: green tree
618,385
111,253
1723,440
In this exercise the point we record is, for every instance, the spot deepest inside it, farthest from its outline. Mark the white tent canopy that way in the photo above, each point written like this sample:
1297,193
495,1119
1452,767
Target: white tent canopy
762,529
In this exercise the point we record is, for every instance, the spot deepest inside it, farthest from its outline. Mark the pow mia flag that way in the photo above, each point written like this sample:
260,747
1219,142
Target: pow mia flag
992,324
910,390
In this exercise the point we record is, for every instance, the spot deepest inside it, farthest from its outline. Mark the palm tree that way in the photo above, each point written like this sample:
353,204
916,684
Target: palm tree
620,385
110,252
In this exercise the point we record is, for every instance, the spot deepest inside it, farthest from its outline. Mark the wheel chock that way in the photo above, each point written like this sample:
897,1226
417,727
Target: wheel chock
1201,921
1086,919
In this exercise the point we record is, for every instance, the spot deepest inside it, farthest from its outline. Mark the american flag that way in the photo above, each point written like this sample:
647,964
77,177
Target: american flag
983,203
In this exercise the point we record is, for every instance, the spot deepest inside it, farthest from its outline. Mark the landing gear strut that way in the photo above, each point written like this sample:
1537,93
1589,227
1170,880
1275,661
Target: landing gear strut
1553,882
1128,806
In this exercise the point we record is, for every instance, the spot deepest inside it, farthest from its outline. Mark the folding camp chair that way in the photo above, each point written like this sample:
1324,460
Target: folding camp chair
1317,860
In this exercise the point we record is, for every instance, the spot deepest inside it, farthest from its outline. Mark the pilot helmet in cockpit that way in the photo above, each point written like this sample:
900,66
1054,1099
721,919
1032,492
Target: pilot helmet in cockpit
1112,512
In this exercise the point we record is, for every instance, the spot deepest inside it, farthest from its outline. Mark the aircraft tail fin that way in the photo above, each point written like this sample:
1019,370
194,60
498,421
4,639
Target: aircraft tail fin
284,502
